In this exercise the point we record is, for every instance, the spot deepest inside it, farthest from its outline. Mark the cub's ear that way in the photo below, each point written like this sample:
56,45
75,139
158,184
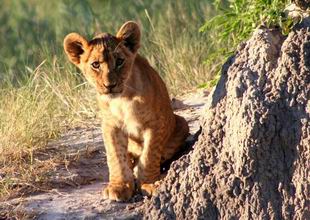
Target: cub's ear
75,45
130,34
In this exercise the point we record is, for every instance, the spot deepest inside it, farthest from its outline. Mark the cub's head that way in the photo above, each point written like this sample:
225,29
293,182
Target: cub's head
106,60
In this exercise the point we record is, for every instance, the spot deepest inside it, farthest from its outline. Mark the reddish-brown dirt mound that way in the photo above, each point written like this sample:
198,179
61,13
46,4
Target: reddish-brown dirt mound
252,160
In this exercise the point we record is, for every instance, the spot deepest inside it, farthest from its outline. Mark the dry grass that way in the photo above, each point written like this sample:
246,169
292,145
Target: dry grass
31,115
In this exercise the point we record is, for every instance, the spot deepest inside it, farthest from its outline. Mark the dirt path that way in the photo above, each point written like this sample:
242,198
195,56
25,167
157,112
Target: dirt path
79,179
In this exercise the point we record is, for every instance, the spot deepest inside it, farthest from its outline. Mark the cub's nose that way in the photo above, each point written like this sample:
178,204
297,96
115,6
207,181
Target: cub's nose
110,86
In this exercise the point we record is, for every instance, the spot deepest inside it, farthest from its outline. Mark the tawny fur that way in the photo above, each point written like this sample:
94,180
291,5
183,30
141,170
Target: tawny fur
139,128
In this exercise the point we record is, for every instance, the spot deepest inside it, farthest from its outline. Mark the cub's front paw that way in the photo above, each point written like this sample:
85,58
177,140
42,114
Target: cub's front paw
119,192
149,189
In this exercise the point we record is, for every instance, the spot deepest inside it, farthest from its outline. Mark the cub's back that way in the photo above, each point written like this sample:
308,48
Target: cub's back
153,86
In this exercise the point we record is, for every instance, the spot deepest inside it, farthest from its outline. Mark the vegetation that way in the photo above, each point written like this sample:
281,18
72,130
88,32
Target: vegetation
237,19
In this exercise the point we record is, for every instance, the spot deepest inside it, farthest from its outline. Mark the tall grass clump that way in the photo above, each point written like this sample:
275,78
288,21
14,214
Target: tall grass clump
235,21
50,101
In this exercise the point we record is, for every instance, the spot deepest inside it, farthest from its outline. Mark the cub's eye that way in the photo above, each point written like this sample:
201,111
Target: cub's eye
95,64
119,62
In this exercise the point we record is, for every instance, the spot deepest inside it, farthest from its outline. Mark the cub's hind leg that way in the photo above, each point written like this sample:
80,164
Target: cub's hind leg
177,138
157,146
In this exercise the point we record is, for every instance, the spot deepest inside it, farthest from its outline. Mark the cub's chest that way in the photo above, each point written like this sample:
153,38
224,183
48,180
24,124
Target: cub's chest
123,110
130,115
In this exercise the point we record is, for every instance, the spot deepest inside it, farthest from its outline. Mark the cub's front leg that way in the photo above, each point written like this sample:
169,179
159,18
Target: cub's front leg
121,180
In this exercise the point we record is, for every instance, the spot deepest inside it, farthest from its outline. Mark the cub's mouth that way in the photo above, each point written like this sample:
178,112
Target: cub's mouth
109,90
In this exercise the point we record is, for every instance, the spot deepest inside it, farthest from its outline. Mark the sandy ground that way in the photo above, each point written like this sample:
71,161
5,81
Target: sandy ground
87,174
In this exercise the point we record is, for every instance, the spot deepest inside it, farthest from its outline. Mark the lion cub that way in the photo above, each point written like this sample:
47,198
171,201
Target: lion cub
140,131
